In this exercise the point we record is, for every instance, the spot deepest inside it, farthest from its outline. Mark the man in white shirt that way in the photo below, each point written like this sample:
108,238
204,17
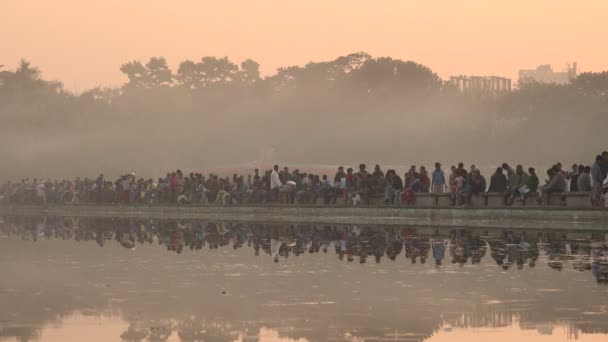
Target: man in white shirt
275,183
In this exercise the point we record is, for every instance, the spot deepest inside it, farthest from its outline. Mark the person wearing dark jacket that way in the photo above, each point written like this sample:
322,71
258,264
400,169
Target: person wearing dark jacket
498,181
394,184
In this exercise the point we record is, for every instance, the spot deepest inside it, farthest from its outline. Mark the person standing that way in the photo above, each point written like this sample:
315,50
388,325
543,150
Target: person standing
604,164
584,178
438,180
339,184
425,182
275,183
407,178
597,179
453,185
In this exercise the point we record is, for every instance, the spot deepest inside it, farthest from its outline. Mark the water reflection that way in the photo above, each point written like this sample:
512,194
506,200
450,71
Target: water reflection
220,281
583,251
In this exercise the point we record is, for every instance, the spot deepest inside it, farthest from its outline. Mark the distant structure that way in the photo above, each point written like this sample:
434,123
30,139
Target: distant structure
545,74
482,85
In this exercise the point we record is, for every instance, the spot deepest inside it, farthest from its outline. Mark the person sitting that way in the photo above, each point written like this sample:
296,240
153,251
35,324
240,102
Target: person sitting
224,196
304,189
463,188
516,185
408,195
556,184
533,181
458,184
201,191
394,185
239,190
478,183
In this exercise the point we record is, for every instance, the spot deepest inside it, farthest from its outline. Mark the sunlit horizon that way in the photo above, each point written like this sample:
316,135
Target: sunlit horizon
84,45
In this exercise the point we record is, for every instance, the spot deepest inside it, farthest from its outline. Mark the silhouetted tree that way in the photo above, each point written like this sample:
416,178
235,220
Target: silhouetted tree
158,72
593,83
187,75
249,72
214,111
136,73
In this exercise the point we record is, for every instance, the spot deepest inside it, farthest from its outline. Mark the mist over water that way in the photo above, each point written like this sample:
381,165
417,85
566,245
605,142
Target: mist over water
216,114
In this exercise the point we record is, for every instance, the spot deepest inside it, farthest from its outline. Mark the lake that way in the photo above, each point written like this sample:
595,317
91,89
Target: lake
93,279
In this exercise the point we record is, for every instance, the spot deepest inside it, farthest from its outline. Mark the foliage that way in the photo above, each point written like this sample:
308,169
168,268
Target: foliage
353,108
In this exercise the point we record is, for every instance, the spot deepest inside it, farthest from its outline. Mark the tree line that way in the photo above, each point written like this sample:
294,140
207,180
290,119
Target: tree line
354,108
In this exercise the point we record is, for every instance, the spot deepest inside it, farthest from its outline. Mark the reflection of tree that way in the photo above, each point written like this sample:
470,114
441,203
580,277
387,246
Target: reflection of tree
134,333
201,330
20,333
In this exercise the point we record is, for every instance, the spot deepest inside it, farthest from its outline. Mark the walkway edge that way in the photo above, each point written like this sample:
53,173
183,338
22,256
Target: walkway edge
471,217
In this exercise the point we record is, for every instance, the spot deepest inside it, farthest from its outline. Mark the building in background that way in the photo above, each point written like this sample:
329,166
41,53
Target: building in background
545,74
481,85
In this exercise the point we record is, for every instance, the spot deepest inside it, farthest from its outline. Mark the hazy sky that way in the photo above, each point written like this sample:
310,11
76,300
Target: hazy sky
83,43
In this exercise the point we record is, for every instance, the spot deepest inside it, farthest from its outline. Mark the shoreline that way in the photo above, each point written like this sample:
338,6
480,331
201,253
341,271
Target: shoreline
511,217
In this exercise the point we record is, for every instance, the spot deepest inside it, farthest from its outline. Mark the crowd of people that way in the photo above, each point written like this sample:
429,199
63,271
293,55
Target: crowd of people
297,187
507,248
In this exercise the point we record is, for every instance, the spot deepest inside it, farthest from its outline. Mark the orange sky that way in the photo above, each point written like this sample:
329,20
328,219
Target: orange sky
83,44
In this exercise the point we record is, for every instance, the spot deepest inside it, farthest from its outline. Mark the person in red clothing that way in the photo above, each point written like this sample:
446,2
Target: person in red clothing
173,186
425,181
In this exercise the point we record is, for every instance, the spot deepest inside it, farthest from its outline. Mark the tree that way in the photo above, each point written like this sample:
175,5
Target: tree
158,72
154,74
136,73
214,70
390,76
27,79
346,64
187,75
594,83
26,73
250,72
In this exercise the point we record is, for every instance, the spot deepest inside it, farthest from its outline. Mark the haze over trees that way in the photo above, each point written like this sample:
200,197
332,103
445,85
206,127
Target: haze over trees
214,112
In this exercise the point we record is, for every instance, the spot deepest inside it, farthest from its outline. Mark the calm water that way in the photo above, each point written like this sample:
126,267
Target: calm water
64,279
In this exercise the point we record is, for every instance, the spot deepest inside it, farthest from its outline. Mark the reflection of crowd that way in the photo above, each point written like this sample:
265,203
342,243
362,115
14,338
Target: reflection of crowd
507,248
353,187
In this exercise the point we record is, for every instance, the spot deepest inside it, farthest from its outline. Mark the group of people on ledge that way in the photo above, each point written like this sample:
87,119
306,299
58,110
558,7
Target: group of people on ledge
349,186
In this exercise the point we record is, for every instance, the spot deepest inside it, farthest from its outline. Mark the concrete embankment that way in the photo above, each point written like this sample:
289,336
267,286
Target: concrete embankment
532,218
